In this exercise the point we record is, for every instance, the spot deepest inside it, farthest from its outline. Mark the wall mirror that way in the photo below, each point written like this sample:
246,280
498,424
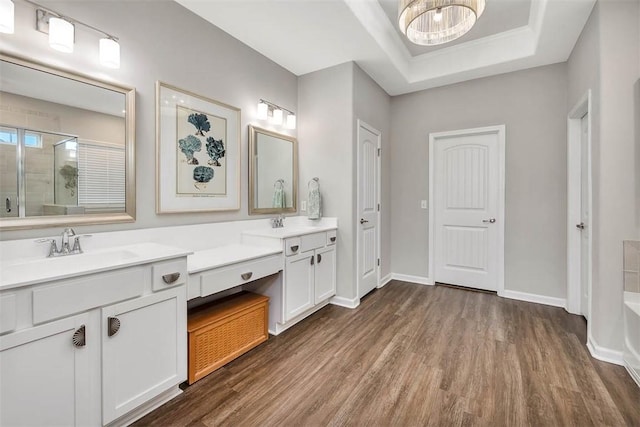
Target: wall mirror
67,148
273,172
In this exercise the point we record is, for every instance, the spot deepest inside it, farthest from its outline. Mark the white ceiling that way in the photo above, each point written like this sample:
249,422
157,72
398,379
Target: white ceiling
309,35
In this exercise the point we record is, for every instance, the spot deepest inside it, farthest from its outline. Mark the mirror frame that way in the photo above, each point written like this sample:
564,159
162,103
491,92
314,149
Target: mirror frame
253,140
129,215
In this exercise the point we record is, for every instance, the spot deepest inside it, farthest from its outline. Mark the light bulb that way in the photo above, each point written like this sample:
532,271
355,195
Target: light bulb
438,15
109,53
277,116
7,20
61,34
291,121
263,110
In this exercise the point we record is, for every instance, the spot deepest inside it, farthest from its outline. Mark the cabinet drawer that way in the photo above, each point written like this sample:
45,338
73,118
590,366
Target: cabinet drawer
309,242
169,273
73,296
8,319
292,246
332,236
228,277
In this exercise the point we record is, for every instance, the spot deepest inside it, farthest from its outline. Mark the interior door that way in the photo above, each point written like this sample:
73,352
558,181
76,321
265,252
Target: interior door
584,216
368,208
466,188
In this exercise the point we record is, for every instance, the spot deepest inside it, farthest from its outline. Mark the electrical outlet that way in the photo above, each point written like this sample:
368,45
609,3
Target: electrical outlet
303,208
423,204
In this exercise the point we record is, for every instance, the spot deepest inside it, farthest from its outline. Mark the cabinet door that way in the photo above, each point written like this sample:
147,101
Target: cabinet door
325,274
144,345
298,284
45,379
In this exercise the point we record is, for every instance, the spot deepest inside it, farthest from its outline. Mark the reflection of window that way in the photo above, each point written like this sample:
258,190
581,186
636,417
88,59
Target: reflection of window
10,136
101,175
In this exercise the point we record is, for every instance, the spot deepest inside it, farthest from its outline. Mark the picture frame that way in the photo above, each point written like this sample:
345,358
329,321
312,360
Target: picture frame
197,152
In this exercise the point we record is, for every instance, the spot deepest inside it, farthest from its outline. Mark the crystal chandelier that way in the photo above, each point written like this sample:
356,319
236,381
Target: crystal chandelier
433,22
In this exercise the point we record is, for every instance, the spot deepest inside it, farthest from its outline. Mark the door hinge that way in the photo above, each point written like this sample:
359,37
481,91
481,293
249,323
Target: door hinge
378,262
379,149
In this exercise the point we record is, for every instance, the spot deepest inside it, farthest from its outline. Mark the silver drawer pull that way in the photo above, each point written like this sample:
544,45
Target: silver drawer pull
113,326
170,278
246,276
79,337
333,239
294,248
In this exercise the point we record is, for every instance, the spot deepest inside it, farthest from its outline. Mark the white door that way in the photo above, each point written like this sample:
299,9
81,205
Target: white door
298,292
468,215
44,377
144,344
325,274
584,216
368,208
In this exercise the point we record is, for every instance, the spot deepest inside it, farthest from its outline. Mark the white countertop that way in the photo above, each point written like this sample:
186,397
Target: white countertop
286,232
38,270
226,255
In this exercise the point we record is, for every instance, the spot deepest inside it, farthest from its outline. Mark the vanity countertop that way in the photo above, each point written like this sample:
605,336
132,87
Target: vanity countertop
226,255
289,231
39,270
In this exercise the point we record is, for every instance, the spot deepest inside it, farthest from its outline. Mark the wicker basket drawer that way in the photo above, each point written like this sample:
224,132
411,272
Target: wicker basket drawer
224,330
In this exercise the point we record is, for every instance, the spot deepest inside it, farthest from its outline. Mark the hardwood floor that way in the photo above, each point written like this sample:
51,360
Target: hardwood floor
414,355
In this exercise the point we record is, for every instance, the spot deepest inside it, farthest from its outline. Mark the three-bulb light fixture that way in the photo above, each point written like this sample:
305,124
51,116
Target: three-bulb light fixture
434,22
61,30
277,114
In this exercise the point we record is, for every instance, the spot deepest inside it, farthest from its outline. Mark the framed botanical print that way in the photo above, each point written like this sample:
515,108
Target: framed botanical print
198,152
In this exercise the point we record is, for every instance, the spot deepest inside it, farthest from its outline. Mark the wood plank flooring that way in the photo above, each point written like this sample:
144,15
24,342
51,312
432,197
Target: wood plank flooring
413,355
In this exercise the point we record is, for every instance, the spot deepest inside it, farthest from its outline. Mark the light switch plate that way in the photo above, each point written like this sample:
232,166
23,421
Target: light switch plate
423,204
303,206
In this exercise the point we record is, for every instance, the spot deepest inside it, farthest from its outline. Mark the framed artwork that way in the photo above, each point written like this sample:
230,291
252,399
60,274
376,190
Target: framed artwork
198,152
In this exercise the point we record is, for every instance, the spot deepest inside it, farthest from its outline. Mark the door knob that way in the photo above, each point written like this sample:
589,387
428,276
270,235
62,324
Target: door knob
490,220
362,221
580,226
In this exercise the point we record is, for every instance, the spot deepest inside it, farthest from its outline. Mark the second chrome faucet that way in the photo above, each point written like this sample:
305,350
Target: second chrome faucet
69,244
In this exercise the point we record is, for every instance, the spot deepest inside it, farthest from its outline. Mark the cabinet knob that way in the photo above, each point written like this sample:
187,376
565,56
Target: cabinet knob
170,278
246,276
333,239
294,248
113,326
79,337
319,258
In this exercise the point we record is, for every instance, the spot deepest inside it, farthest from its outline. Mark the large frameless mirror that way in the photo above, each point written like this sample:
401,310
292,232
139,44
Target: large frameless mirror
273,172
67,145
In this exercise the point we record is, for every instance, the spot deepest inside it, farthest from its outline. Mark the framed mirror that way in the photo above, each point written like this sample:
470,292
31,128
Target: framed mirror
67,148
273,172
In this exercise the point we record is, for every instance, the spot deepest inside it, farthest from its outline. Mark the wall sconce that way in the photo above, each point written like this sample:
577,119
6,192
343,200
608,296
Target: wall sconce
6,16
61,31
277,114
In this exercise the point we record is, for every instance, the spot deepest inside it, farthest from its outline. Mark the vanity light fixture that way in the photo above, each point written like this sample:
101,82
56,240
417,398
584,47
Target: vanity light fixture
434,22
277,114
61,30
7,16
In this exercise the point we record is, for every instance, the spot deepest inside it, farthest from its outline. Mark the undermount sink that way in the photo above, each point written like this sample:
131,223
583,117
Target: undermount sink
35,270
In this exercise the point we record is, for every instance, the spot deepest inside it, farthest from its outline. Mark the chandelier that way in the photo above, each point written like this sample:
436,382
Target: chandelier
433,22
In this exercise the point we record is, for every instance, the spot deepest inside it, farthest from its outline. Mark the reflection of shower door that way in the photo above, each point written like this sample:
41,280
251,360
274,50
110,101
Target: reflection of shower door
8,173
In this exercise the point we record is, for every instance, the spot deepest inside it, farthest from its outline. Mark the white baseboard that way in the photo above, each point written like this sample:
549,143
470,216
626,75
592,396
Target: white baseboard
634,374
386,279
538,299
146,408
345,302
412,279
605,354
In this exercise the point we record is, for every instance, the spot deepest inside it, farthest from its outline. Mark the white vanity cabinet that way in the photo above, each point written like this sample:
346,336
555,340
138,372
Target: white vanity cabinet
44,377
63,361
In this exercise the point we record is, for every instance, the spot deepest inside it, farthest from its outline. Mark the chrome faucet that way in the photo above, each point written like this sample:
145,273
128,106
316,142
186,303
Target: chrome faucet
68,236
277,222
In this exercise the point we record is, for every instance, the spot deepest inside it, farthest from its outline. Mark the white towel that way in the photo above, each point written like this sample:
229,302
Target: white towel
278,198
314,207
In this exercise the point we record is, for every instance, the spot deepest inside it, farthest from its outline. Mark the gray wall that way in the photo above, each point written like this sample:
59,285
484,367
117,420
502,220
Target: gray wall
159,41
373,105
325,98
532,105
606,59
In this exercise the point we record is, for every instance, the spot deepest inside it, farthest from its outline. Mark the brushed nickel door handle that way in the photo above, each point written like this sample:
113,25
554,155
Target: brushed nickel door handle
363,221
246,276
170,278
490,220
79,338
113,326
580,226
